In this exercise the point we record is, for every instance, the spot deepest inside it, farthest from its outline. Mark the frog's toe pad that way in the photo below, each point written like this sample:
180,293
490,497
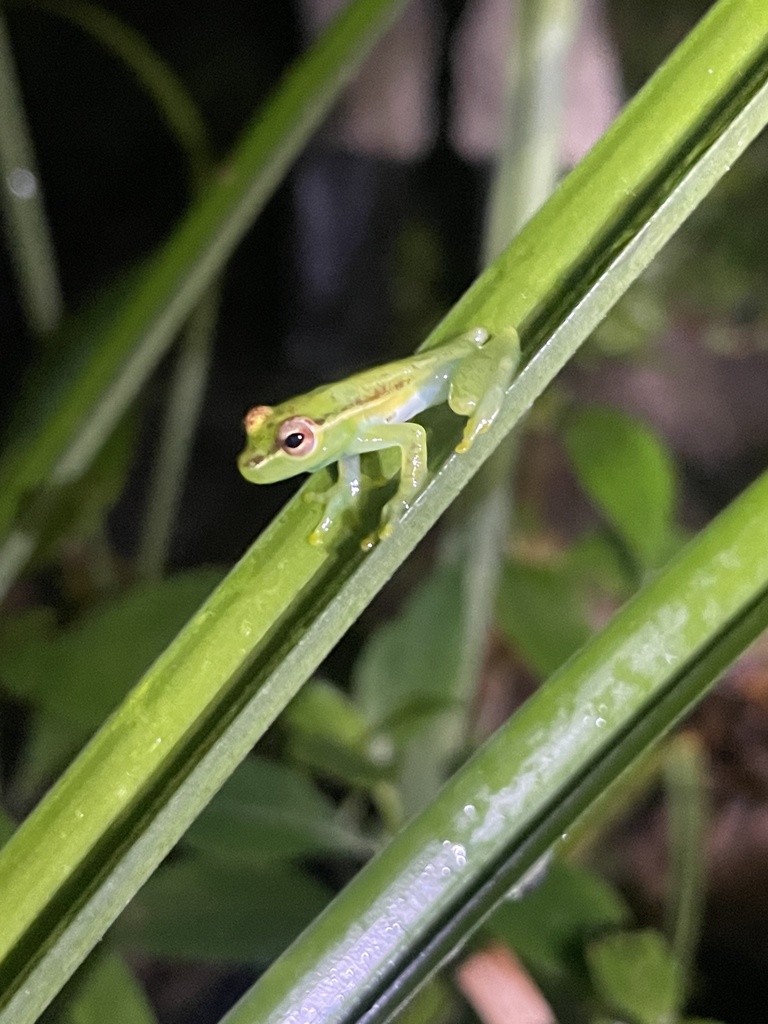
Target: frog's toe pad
315,497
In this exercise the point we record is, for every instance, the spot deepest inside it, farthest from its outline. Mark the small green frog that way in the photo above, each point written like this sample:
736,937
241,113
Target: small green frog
371,411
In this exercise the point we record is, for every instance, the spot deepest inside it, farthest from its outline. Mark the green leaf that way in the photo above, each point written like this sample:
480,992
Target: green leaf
637,976
329,734
629,475
323,709
77,675
268,811
205,910
406,682
107,991
409,664
597,564
541,613
549,925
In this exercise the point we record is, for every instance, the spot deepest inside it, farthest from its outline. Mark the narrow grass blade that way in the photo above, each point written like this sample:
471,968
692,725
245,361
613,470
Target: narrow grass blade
58,447
29,237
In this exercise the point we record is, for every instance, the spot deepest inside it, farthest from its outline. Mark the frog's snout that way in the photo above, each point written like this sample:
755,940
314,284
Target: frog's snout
248,462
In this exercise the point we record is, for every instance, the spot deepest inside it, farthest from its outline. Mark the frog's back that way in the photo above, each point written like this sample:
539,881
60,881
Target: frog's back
393,391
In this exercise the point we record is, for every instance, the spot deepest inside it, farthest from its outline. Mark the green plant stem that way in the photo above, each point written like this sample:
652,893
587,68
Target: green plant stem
185,123
530,156
685,780
59,450
409,909
29,236
526,173
185,399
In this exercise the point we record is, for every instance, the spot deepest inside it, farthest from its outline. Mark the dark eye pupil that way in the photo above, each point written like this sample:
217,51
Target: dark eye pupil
294,440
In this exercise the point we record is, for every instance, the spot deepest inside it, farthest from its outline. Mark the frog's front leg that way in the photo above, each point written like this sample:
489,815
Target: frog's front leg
339,497
480,383
411,439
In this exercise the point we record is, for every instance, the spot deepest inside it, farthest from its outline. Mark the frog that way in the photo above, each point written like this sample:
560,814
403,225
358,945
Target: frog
373,410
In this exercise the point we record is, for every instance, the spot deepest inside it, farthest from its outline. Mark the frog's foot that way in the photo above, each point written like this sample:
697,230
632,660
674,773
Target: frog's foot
337,502
315,497
321,533
328,525
331,515
480,384
481,419
392,512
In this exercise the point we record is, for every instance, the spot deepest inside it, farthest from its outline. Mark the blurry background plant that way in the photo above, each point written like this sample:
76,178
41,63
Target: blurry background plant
659,423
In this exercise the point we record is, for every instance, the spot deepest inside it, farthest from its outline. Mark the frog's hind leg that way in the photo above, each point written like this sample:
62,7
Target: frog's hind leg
479,383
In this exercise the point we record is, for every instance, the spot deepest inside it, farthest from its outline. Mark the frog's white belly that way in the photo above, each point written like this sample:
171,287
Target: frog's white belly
433,393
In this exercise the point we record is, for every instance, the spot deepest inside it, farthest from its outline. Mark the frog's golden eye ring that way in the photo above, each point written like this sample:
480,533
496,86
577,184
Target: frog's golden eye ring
297,436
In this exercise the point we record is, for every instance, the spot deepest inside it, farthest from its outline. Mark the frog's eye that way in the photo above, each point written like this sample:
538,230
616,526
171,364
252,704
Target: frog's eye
297,436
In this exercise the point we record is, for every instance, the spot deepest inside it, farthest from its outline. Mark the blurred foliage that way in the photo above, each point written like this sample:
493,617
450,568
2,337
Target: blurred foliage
354,757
